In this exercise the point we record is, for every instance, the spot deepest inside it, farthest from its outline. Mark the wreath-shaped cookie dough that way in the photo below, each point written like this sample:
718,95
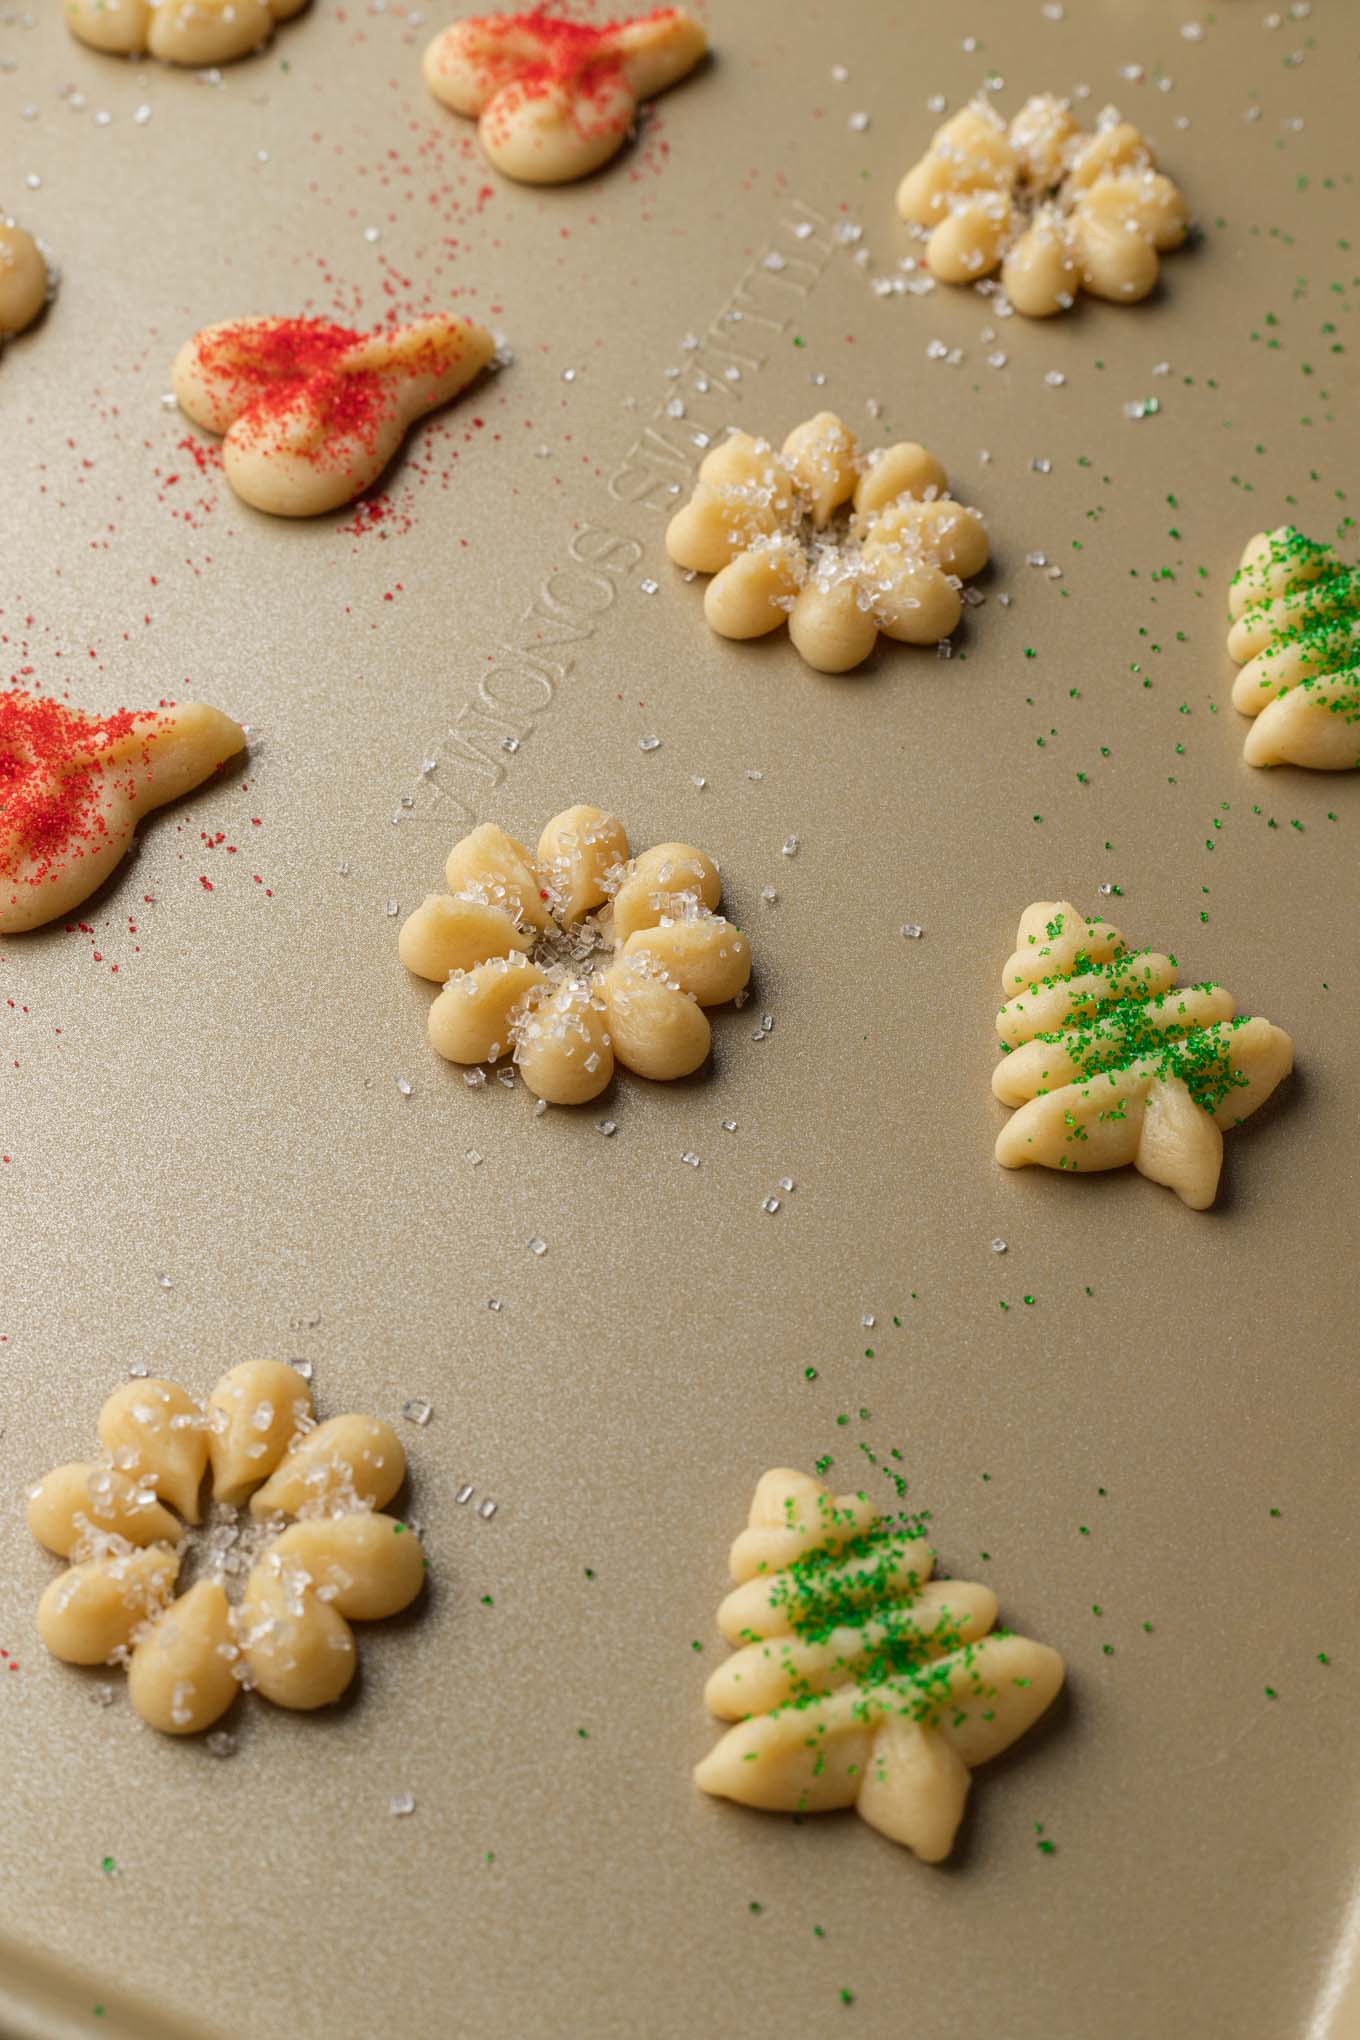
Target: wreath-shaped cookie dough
838,543
122,1520
311,412
1295,612
856,1679
24,281
73,788
1110,1063
190,32
1056,209
553,99
577,957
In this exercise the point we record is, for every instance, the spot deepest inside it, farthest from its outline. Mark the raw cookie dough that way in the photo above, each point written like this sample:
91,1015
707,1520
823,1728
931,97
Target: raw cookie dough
24,282
312,412
838,543
73,788
576,956
195,32
1295,613
1055,209
553,100
857,1680
1110,1063
341,1561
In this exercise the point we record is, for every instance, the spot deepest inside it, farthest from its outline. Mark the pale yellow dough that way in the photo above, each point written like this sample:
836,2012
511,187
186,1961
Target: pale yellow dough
856,1680
341,1561
193,32
1295,632
24,280
838,542
1110,1063
1056,209
575,956
555,99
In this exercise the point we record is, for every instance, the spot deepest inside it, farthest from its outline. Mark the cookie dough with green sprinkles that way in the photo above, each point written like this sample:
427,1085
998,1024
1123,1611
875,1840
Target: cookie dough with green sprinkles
1295,616
856,1679
1111,1062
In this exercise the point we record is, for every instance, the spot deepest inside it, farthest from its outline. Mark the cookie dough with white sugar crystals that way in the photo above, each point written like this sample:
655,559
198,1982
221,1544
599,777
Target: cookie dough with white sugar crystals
838,542
1295,615
1055,209
121,1521
856,1679
1110,1062
576,957
194,32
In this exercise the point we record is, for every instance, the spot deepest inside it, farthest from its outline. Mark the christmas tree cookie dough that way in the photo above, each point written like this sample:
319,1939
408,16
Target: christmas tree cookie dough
194,32
856,1679
577,956
129,1523
73,788
310,412
24,282
838,542
1295,616
1109,1062
555,99
1057,210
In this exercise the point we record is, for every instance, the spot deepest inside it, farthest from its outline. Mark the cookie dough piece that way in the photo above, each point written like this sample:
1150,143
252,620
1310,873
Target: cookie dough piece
254,1414
192,32
75,787
349,1463
94,1609
840,543
80,1509
311,412
186,1669
856,1680
23,279
555,99
1110,1063
1295,615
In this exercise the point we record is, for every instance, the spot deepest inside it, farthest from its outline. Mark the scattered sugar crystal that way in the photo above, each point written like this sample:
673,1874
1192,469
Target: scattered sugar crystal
868,1320
400,1804
1106,890
569,375
775,261
493,1303
541,1104
997,360
839,74
302,1367
936,103
101,1695
802,232
427,765
770,1204
1193,31
486,1510
608,1127
752,773
221,1743
391,908
649,587
372,234
729,1126
1142,407
472,1155
1055,378
769,895
510,744
1041,465
142,115
164,1282
943,648
913,930
697,779
649,743
998,1246
538,1246
786,1183
417,1411
790,846
465,1492
405,1086
474,1079
690,1159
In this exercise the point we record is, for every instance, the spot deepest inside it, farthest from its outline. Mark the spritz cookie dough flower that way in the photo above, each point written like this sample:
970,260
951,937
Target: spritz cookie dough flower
190,32
1110,1062
837,542
1054,208
24,282
1295,615
856,1679
122,1521
310,412
576,956
73,788
554,99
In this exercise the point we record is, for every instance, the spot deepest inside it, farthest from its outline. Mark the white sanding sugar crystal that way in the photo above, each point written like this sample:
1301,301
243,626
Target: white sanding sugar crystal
649,743
417,1411
729,1126
222,1743
164,1282
486,1510
494,1303
690,1159
770,1204
465,1492
913,930
538,1246
998,1246
790,846
400,1804
405,1086
608,1127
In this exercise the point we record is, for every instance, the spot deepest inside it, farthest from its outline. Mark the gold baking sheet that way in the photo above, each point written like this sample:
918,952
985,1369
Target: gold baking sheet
222,1108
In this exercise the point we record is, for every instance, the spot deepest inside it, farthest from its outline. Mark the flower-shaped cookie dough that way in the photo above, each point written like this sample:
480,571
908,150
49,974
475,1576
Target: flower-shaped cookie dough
577,957
837,543
857,1680
1110,1063
1056,209
311,412
119,1520
178,31
73,788
1295,613
24,282
553,99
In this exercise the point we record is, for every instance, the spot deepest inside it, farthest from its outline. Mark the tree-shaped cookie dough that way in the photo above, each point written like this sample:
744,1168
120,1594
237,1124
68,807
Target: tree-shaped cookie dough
576,957
24,281
73,788
1056,209
856,1679
311,413
122,1522
1295,615
194,32
555,99
1110,1063
837,542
